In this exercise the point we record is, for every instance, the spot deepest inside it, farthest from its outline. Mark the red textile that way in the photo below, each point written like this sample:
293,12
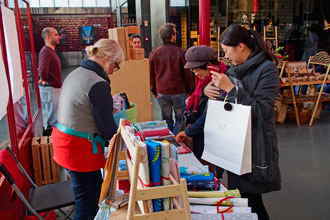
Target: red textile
183,149
255,6
193,100
75,153
51,215
153,133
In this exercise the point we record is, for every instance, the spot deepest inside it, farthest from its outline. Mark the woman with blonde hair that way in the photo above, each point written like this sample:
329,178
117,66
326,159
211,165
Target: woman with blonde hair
85,124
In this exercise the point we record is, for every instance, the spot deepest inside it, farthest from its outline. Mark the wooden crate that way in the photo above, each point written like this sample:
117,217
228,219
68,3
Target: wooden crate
45,170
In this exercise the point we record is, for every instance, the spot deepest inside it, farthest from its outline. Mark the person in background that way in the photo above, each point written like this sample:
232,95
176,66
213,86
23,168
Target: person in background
50,82
253,80
311,43
169,81
198,58
136,41
86,124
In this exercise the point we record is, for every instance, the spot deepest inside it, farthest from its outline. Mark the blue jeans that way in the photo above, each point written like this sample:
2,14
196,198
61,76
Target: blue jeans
170,103
49,100
86,187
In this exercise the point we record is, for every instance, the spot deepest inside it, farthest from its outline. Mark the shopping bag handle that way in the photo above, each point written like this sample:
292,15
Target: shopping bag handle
228,106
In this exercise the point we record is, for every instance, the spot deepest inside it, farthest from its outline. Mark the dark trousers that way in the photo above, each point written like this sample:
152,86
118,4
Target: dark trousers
86,187
257,205
170,103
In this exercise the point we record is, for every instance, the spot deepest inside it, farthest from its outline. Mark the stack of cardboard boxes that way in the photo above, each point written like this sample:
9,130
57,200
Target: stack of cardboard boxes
121,35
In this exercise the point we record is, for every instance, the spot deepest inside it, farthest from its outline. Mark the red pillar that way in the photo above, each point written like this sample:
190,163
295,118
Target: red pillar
204,22
255,6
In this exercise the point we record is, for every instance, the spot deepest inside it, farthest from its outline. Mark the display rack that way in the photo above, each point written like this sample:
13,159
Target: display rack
140,194
299,75
274,37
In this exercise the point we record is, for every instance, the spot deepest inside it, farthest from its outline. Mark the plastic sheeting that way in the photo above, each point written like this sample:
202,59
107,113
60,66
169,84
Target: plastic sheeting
14,59
3,88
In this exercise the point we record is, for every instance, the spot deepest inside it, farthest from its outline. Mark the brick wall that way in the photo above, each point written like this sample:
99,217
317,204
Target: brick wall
71,25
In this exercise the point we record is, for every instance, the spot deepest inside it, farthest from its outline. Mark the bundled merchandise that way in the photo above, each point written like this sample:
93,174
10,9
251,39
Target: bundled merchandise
161,161
196,174
153,130
207,197
226,205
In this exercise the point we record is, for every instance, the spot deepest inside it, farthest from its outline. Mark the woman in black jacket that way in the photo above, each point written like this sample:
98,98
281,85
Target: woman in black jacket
255,76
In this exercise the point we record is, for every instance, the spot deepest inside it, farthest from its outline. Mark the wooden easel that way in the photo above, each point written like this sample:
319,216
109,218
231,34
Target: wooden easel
272,38
135,154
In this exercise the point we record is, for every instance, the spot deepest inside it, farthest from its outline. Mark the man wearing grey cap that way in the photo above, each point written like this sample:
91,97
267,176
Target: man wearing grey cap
169,81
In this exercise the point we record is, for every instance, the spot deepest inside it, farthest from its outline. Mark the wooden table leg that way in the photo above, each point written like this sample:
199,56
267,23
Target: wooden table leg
295,106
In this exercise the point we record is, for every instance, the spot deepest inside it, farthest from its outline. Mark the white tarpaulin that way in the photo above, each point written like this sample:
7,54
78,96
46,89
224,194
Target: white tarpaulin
3,88
14,59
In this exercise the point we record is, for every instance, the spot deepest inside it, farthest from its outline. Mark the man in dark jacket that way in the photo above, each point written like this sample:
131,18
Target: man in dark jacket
169,81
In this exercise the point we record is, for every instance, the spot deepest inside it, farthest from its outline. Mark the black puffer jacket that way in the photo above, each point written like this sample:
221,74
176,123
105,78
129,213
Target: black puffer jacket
258,85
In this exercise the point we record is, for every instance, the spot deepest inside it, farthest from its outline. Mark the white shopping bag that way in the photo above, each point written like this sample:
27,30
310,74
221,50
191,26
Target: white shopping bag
227,135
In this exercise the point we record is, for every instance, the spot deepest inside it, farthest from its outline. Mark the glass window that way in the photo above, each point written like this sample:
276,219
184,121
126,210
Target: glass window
61,3
89,3
34,4
103,3
11,4
75,3
47,3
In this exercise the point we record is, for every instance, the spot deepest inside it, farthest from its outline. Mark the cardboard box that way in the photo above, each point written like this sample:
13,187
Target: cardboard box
136,53
119,34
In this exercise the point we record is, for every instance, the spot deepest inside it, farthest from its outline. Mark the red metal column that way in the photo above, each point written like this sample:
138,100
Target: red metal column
255,6
204,22
10,107
33,55
20,33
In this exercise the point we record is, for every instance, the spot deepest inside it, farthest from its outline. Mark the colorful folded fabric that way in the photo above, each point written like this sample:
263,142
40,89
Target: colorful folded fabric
153,133
184,149
151,125
203,185
154,157
174,169
189,164
198,177
122,165
165,169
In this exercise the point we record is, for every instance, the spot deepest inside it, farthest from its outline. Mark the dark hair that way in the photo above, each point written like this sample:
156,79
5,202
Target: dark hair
135,36
166,32
236,34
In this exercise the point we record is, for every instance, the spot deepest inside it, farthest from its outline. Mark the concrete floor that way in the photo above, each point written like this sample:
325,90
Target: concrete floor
304,162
